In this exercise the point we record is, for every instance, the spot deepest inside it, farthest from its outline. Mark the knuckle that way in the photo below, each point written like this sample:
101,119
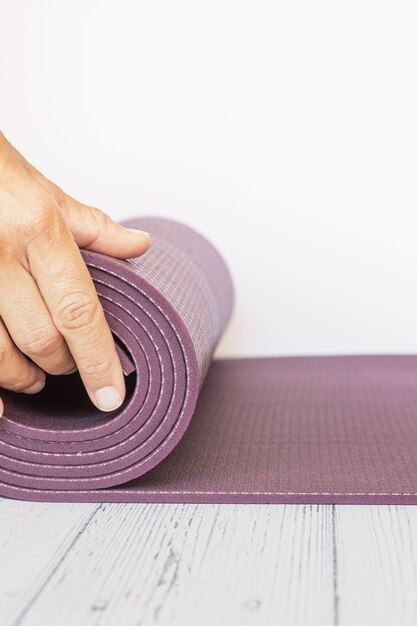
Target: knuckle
100,217
22,381
41,343
18,378
33,228
77,311
97,368
39,222
45,228
59,195
100,222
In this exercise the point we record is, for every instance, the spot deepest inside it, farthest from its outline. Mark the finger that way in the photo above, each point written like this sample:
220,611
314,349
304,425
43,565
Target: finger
1,408
29,322
91,227
68,291
94,230
16,372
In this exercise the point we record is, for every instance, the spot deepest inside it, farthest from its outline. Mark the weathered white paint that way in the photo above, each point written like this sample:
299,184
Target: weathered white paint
205,565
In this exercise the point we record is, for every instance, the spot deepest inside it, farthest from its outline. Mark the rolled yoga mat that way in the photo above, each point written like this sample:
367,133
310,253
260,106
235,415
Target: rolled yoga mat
338,429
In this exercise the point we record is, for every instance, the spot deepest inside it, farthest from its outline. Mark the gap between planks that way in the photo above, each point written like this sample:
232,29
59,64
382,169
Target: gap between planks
202,564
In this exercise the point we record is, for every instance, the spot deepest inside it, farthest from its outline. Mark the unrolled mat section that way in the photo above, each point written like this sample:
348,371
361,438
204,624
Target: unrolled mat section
334,429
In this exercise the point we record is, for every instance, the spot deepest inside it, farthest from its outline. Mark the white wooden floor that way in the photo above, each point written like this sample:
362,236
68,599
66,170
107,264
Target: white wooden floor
198,565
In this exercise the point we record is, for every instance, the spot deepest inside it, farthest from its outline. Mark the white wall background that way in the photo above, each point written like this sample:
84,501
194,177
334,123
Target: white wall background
286,131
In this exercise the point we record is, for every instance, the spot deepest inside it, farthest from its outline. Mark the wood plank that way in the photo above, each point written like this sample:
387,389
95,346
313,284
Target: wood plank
34,539
205,564
376,565
194,564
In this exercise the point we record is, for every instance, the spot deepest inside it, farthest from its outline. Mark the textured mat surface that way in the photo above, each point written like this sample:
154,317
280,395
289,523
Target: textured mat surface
289,429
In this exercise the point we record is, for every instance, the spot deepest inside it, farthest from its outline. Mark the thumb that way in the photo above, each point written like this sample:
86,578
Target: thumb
95,230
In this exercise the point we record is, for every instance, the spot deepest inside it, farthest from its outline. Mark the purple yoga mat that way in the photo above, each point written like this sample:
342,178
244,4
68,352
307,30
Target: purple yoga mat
289,429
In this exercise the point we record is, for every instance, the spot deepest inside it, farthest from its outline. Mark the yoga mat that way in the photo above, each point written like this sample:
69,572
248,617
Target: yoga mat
335,429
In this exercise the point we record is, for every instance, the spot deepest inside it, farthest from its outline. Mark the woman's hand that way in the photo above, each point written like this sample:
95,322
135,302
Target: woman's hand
49,309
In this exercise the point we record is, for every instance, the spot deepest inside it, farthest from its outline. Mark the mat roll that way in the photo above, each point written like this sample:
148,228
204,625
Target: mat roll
167,311
319,429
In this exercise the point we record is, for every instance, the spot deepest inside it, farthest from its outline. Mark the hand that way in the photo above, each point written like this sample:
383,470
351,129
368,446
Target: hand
49,309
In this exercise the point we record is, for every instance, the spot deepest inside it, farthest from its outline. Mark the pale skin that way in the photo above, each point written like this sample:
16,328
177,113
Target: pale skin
51,319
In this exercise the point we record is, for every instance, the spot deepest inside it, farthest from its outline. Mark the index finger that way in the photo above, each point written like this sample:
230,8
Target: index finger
69,293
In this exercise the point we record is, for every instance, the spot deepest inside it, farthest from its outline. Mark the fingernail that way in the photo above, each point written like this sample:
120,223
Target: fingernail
74,369
1,408
108,399
35,388
139,232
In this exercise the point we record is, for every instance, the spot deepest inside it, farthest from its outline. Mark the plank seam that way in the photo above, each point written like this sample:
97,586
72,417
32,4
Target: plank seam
19,619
